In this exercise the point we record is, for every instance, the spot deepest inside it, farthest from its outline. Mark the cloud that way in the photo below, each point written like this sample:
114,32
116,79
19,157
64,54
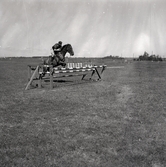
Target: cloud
142,43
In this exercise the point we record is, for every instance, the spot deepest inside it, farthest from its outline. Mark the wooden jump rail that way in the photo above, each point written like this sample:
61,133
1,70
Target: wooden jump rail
37,73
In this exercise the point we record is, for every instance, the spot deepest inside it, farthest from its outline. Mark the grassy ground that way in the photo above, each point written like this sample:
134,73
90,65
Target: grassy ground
119,121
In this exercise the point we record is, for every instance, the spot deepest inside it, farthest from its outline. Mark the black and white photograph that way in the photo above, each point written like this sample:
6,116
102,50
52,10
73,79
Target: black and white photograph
83,83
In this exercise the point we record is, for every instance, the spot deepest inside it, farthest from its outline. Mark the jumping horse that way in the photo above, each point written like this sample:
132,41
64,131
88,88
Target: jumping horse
59,59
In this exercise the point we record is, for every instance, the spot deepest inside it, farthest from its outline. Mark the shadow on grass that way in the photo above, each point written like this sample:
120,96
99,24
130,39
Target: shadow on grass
61,80
61,83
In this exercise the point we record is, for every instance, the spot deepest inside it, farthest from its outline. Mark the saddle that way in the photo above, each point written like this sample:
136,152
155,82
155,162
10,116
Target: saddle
59,57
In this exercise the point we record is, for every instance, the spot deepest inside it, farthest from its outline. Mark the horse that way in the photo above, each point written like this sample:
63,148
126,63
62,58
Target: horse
59,59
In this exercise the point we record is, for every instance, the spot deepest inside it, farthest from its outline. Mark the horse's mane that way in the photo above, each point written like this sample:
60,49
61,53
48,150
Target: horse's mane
64,46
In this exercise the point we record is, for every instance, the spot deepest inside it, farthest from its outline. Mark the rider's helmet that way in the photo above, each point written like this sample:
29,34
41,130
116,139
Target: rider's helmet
60,42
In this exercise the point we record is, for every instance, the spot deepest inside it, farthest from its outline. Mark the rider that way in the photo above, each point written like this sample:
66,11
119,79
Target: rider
57,47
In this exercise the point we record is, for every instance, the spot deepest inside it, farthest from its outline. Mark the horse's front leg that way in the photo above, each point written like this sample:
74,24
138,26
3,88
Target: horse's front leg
63,64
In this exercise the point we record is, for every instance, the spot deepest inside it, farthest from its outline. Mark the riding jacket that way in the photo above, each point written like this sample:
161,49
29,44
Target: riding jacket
56,48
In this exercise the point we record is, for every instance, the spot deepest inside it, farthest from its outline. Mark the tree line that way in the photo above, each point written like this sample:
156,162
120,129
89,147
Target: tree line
147,57
113,57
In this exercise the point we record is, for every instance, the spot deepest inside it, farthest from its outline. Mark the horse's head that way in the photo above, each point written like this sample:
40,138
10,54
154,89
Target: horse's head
70,49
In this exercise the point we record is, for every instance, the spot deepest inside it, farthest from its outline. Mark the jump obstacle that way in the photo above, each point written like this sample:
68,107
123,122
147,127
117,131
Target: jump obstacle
47,72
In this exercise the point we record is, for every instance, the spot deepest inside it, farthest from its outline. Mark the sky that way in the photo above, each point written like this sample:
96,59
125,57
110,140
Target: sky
94,28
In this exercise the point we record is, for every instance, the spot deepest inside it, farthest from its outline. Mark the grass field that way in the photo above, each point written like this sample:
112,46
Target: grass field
117,122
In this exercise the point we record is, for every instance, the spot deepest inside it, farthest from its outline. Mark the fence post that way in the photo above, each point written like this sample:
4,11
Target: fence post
40,81
51,77
36,72
29,72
